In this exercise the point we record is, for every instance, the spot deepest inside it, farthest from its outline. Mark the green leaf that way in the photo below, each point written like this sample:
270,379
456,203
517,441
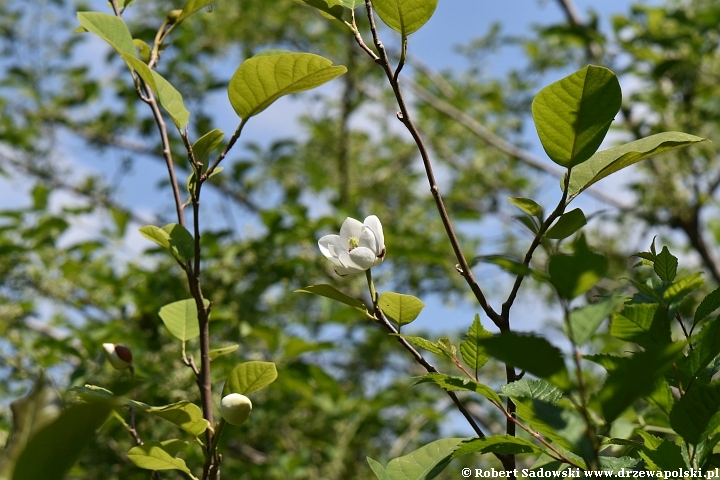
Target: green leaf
697,414
531,207
646,324
503,444
168,97
206,144
53,450
530,353
573,275
172,237
635,377
705,351
333,8
660,454
424,344
261,80
567,224
539,389
425,463
510,265
328,291
614,159
661,396
676,292
584,321
377,469
297,346
352,4
181,318
708,305
528,222
250,377
561,425
572,116
40,407
405,16
191,7
152,456
184,414
92,393
451,383
471,351
400,308
218,352
666,265
110,28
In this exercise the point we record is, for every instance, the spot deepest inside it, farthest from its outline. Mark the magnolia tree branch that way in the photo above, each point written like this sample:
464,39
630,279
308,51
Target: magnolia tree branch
404,116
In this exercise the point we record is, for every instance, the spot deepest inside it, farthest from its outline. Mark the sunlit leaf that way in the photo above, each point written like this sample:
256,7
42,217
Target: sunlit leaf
261,80
181,318
567,224
471,350
250,377
184,414
110,28
400,308
573,114
451,383
328,291
152,456
405,16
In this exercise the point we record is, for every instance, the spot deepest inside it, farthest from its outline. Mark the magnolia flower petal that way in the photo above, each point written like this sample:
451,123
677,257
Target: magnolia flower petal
374,224
349,264
350,228
367,240
362,257
331,245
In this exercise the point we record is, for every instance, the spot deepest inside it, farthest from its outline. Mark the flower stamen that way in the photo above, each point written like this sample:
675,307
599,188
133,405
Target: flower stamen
353,242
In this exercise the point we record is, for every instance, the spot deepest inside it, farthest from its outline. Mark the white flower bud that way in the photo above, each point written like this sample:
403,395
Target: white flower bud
235,408
119,357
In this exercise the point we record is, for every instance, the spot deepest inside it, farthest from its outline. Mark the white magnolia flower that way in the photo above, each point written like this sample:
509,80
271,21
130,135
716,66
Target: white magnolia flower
358,247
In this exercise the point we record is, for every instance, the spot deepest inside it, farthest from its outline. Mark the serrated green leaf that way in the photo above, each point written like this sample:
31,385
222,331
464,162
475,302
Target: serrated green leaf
261,80
400,308
660,454
567,224
572,116
152,456
40,407
184,414
585,321
405,16
181,318
661,395
451,383
333,8
328,291
425,463
218,352
530,353
614,159
635,377
471,351
708,305
110,28
250,377
676,292
561,425
502,444
527,388
707,348
425,344
697,414
527,205
646,324
666,265
53,450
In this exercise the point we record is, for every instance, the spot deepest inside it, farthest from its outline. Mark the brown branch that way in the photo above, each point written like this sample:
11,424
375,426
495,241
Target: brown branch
592,49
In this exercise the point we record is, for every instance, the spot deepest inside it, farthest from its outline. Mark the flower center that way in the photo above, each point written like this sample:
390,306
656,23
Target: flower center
353,242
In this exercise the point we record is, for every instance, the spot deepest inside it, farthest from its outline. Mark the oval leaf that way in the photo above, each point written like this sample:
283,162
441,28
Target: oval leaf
567,224
206,144
333,8
402,309
609,161
218,352
152,456
184,414
250,377
405,16
110,28
425,463
261,80
573,115
527,205
181,319
328,291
